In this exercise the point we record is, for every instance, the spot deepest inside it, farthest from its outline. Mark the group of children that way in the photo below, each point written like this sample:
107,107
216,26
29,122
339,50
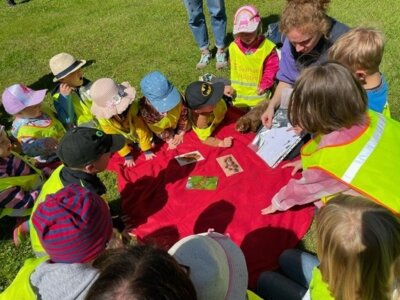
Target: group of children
342,104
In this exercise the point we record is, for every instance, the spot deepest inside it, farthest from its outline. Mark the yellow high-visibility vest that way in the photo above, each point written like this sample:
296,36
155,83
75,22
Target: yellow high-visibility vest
217,116
368,164
54,130
51,186
318,288
169,121
84,116
21,287
26,182
246,73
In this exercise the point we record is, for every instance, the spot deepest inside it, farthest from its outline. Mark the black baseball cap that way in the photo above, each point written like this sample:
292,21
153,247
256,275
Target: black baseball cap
82,145
200,93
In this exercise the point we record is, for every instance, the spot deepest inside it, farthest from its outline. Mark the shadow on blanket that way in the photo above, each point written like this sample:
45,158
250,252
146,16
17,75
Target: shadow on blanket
159,208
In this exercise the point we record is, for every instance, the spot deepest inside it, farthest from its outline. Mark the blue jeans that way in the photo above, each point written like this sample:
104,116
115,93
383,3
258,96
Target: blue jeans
293,282
197,22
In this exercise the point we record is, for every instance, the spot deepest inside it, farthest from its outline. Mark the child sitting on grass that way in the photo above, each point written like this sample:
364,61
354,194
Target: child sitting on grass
358,246
74,226
19,181
71,97
117,112
163,110
35,125
253,59
353,150
361,49
207,111
85,152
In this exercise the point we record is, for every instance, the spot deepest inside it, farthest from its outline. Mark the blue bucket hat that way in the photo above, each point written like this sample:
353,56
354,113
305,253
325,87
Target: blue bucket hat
160,92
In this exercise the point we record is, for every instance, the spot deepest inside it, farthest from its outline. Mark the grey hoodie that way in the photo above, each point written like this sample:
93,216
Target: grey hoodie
62,281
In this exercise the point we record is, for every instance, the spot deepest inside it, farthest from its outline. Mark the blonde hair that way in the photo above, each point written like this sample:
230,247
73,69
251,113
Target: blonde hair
308,16
327,98
361,48
359,248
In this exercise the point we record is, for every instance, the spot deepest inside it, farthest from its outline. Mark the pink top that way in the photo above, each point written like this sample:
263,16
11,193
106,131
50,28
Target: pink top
271,62
315,184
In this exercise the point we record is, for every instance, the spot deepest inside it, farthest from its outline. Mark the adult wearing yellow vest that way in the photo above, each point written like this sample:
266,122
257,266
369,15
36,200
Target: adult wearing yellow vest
71,96
74,226
207,111
163,109
253,59
352,150
84,153
358,246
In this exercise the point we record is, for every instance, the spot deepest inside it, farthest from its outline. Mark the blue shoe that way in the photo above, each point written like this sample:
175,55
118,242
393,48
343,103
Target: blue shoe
204,60
221,63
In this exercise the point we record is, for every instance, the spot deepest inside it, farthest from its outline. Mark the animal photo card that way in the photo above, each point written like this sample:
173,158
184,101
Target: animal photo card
202,183
188,158
229,165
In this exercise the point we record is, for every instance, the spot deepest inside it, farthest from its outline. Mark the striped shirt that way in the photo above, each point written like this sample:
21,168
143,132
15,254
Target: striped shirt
15,197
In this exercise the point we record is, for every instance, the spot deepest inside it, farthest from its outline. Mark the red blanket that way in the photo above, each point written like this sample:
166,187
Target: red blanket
161,210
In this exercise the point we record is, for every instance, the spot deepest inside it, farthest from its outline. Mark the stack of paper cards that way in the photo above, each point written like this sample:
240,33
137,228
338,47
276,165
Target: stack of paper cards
188,158
229,165
272,145
202,183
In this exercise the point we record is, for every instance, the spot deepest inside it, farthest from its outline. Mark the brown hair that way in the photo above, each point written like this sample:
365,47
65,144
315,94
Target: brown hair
140,272
327,98
360,49
307,16
358,244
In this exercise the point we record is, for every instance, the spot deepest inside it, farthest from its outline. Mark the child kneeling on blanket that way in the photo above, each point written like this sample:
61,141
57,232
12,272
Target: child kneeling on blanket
163,109
117,112
207,111
353,150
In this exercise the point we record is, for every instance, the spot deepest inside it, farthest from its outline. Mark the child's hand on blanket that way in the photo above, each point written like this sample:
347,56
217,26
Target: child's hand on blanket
296,166
129,162
149,155
268,210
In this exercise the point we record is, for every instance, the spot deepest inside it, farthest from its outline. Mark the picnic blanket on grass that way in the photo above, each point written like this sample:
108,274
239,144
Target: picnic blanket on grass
159,208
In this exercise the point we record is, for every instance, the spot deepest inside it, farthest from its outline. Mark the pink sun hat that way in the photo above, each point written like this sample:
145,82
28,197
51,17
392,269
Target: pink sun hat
246,19
18,97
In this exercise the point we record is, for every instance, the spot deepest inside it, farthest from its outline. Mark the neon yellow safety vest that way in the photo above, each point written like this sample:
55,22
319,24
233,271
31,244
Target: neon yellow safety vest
131,135
54,130
246,73
217,117
51,186
169,121
318,288
252,296
84,116
368,164
21,288
26,182
386,110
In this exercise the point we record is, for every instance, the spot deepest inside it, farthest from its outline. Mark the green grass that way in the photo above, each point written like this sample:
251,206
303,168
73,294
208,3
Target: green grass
125,39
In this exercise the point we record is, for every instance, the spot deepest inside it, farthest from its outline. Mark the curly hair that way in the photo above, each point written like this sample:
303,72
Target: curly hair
309,16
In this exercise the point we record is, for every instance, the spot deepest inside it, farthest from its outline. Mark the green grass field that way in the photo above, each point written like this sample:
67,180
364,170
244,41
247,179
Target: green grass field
125,39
